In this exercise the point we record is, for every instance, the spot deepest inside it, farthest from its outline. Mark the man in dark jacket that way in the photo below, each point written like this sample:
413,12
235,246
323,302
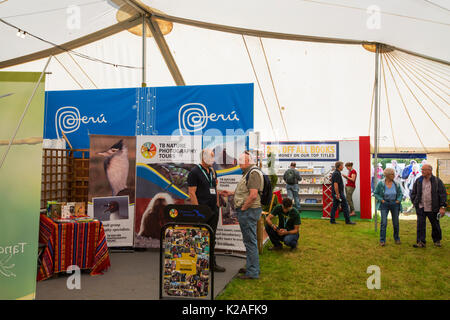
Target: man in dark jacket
430,200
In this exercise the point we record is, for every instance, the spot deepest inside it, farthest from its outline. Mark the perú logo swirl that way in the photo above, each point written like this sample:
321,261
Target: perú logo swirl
194,117
68,119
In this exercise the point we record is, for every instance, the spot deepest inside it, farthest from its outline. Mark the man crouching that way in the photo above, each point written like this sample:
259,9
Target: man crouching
287,230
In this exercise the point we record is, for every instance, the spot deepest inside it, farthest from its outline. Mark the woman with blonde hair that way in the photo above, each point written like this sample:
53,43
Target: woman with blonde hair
388,196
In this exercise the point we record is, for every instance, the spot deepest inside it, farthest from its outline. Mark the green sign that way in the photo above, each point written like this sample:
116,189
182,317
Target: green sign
20,177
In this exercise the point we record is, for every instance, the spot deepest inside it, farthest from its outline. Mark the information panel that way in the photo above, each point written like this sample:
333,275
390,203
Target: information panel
186,259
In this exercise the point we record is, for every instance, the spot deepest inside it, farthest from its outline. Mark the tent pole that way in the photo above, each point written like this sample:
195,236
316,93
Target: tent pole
376,120
144,52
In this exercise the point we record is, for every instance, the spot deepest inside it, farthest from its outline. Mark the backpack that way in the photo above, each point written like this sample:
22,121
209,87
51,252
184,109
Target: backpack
406,172
266,193
290,177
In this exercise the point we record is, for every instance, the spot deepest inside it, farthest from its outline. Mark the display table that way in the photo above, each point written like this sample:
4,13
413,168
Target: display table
72,243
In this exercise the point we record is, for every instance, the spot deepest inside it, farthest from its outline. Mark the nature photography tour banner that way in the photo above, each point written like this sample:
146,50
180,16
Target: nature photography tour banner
163,165
20,174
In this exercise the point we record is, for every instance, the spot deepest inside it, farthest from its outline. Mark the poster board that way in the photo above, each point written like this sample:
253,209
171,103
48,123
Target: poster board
111,196
219,116
186,253
185,262
229,235
163,165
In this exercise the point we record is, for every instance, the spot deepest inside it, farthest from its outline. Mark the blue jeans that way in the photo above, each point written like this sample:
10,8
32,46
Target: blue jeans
385,208
290,239
292,193
248,221
344,206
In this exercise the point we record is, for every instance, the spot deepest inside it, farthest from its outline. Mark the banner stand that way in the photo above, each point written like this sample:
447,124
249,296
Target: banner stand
162,259
186,254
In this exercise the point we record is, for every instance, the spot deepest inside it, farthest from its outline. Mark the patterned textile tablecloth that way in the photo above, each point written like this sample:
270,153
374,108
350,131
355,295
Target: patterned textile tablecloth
82,244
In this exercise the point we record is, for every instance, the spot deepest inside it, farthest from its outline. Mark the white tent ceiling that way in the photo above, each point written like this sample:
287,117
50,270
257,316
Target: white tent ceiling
304,90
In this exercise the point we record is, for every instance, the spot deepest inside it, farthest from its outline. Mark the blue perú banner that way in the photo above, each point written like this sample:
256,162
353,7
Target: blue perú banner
79,113
208,110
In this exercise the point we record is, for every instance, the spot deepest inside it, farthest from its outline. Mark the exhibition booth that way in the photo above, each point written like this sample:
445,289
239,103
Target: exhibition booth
315,160
110,173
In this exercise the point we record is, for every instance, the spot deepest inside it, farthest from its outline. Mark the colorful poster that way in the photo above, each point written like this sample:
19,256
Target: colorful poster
228,235
227,151
186,263
112,179
303,151
20,176
163,165
218,117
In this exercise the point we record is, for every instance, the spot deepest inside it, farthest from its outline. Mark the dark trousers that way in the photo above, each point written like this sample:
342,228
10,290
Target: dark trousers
436,232
344,206
289,239
212,222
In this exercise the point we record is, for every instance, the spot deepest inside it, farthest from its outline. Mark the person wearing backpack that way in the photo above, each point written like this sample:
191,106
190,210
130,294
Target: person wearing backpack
292,177
247,201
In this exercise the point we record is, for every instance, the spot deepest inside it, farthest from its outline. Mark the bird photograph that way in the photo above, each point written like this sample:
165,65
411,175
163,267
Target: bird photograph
111,208
112,166
153,217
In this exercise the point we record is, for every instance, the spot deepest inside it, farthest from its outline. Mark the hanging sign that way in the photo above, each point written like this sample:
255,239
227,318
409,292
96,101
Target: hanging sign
303,151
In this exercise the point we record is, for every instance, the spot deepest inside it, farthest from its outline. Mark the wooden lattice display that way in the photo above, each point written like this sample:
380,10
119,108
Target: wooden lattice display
64,177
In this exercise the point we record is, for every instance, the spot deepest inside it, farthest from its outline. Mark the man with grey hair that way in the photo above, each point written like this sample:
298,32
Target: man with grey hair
247,202
202,188
337,191
430,200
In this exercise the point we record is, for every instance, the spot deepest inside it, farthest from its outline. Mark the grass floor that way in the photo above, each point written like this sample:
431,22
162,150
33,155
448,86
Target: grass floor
332,260
314,214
